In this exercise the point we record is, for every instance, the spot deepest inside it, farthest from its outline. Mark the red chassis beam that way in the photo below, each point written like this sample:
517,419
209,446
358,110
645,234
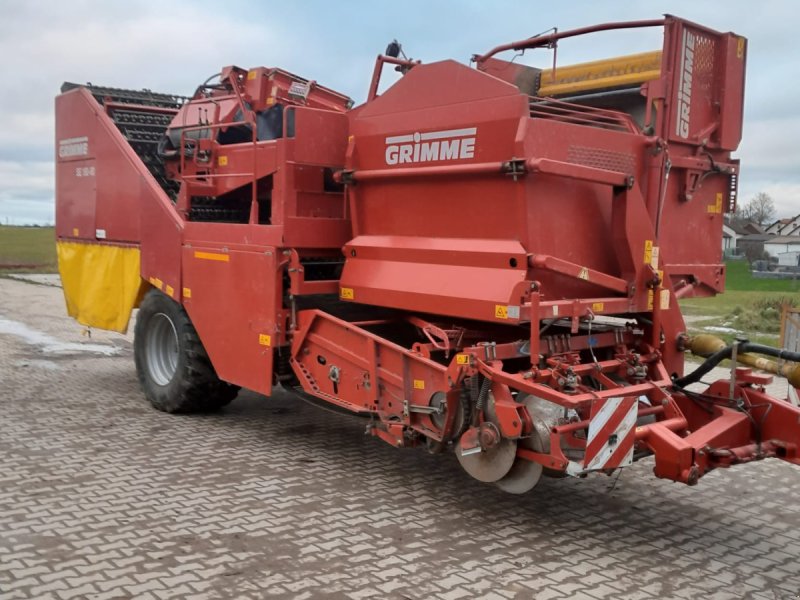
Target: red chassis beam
414,397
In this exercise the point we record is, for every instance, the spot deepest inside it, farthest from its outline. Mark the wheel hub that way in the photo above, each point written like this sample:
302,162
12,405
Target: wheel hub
161,349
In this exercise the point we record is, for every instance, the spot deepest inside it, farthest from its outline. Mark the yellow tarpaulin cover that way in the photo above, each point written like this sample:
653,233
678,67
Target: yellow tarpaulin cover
101,283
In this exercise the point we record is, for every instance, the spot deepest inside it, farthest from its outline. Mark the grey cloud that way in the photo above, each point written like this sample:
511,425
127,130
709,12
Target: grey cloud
172,46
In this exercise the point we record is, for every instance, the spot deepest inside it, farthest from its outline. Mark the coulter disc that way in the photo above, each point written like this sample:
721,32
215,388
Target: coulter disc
524,474
492,464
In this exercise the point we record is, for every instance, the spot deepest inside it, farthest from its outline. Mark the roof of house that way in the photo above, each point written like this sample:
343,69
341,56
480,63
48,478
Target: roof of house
757,237
787,225
783,239
735,227
751,227
743,227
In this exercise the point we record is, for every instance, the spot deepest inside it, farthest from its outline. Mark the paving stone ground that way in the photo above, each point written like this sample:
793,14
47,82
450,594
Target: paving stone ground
103,497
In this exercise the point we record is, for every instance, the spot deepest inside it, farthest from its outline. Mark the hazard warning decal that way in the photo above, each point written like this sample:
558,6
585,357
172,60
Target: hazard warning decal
612,432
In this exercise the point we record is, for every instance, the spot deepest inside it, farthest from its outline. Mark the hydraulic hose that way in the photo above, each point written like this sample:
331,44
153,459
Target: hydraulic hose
716,351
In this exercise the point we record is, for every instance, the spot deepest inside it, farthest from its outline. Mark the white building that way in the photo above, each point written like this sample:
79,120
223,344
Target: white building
789,259
729,237
783,245
783,227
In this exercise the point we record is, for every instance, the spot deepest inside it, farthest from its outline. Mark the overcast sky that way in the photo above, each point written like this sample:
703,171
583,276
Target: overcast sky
171,46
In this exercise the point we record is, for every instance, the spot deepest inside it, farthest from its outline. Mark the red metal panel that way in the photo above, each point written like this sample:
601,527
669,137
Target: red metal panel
161,237
695,83
347,365
734,56
76,198
470,278
233,299
115,195
320,136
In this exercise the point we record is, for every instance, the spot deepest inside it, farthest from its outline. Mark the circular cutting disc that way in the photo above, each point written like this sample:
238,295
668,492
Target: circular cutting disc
524,474
492,464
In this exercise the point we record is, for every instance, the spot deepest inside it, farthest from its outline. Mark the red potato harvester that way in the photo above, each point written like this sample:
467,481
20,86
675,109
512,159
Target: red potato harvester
485,259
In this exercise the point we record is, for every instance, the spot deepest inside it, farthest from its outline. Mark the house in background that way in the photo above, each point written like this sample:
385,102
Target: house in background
786,248
752,245
733,230
779,241
750,228
729,239
785,227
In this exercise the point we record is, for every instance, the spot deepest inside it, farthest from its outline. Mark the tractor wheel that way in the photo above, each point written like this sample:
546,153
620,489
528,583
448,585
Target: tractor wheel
173,368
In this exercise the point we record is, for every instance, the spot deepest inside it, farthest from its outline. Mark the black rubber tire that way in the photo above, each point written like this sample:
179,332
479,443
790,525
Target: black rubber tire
194,385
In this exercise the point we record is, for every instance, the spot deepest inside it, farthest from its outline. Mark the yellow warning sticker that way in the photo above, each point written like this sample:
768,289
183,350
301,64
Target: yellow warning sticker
583,274
648,251
187,293
597,307
500,311
462,359
740,48
654,254
264,339
222,161
170,291
716,208
649,299
75,232
347,293
251,74
419,384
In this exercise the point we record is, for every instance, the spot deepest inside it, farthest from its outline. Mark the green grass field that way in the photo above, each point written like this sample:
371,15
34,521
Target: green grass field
27,250
750,306
738,278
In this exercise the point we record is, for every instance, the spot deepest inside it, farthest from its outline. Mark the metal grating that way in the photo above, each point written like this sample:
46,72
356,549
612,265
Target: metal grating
142,117
704,72
578,114
600,158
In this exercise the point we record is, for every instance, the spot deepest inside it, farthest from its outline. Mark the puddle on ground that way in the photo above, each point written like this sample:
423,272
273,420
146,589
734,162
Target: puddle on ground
50,345
47,365
48,279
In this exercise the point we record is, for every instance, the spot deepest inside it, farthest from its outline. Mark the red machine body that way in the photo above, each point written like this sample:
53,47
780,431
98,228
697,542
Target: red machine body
467,258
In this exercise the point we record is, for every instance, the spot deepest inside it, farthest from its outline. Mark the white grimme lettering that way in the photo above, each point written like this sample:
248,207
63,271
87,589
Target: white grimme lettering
467,148
73,147
449,150
685,86
429,151
445,145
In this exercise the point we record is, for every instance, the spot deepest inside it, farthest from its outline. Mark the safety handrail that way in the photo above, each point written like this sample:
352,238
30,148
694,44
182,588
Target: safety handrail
551,39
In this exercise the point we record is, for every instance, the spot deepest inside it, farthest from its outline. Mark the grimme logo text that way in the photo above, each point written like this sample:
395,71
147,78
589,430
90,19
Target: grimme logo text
685,88
431,146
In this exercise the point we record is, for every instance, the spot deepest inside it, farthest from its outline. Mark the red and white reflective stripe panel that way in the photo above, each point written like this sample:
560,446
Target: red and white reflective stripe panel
612,432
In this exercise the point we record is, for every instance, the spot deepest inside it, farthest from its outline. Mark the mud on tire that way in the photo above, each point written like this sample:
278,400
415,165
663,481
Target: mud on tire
173,368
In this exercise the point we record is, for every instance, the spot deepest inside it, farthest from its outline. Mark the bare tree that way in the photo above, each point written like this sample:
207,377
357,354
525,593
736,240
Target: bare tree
760,209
